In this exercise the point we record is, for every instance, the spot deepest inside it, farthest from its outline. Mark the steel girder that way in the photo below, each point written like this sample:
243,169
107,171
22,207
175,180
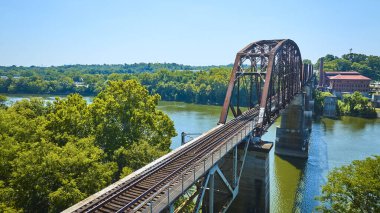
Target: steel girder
274,72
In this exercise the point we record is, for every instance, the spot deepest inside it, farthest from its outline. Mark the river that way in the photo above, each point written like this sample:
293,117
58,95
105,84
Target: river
293,183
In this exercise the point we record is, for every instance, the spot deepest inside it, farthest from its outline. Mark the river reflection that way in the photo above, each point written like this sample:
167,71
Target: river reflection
294,183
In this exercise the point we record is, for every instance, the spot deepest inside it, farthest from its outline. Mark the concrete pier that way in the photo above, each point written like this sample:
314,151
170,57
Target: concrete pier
254,183
292,137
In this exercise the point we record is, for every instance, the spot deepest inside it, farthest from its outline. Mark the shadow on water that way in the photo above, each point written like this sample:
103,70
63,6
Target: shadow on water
291,182
299,163
297,182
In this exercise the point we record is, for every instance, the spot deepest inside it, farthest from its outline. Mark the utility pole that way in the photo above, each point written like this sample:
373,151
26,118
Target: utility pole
351,54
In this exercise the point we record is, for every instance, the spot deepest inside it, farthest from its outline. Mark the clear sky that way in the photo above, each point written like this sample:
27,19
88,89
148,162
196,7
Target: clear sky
198,32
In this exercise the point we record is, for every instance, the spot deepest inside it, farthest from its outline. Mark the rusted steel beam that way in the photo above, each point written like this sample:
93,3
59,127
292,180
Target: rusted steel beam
267,84
279,62
233,110
230,88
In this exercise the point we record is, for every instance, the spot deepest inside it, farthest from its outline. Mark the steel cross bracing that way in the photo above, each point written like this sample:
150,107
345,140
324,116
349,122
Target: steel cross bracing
269,73
265,77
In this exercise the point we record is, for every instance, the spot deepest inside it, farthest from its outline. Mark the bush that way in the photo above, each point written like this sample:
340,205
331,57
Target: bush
353,188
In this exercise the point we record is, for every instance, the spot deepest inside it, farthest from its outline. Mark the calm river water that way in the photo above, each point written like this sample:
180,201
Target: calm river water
293,183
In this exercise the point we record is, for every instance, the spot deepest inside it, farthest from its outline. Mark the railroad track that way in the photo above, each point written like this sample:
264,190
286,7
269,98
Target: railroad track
132,193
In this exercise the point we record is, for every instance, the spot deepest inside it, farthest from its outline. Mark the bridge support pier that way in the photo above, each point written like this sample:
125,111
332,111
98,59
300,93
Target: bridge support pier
254,182
239,183
292,137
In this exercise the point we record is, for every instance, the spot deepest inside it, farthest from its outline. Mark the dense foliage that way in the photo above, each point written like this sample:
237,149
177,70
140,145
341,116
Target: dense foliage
319,101
352,104
54,155
83,79
204,87
353,188
356,105
79,69
366,65
3,99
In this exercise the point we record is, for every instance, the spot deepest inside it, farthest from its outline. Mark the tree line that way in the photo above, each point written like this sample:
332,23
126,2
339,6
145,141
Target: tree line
367,65
193,86
55,154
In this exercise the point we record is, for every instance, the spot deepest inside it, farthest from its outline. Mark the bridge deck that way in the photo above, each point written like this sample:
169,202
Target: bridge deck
156,185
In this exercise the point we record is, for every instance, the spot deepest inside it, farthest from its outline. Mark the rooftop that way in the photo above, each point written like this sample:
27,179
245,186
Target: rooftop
351,72
348,77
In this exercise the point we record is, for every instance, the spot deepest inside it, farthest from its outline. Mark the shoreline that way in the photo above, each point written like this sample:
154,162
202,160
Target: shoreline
24,95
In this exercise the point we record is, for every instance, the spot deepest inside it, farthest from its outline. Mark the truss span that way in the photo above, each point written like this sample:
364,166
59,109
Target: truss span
266,73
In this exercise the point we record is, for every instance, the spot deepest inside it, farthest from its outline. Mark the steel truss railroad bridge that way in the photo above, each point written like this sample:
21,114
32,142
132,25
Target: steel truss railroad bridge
266,75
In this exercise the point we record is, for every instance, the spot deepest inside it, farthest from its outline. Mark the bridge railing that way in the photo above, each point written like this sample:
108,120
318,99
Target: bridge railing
175,188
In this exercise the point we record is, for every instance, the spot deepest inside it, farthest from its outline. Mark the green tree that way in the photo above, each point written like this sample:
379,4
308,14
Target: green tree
319,100
353,188
354,57
3,99
356,105
330,57
343,64
38,175
69,118
338,65
54,155
124,114
46,177
307,61
374,63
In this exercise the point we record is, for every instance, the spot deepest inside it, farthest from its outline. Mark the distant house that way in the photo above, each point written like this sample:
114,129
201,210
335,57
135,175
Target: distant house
80,84
3,77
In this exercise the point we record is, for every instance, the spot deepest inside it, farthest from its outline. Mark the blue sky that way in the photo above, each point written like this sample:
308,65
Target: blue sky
207,32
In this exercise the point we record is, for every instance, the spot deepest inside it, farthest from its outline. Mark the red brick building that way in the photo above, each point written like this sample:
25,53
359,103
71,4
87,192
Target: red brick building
339,82
348,83
334,73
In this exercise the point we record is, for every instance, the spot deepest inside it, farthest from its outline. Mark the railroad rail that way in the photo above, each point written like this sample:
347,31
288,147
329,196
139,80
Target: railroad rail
140,192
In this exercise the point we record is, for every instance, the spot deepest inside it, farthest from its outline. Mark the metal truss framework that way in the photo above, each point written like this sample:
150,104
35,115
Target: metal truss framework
270,72
266,74
233,188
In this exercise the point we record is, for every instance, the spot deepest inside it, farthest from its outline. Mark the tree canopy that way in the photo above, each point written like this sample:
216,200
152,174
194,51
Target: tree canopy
353,188
352,104
54,155
356,105
319,100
